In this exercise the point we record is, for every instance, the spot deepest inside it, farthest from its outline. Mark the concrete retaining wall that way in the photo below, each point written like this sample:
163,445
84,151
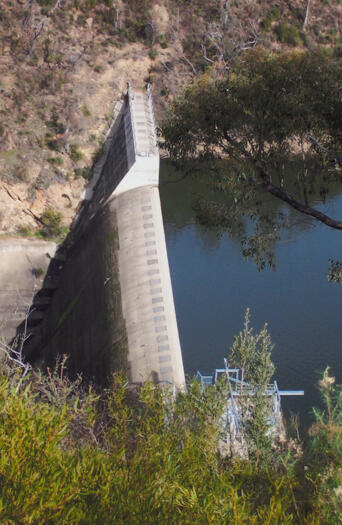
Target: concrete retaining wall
23,264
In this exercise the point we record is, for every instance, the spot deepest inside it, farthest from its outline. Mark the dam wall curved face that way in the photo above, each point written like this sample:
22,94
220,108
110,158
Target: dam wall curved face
113,308
146,290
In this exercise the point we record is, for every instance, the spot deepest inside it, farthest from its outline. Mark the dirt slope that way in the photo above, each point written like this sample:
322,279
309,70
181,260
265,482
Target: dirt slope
65,63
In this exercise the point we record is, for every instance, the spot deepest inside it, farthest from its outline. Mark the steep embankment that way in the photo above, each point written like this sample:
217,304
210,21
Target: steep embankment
64,64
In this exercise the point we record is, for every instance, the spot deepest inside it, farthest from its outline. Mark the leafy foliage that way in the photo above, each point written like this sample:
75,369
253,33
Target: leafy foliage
69,455
252,354
139,459
288,34
335,271
267,112
264,104
75,153
325,452
52,223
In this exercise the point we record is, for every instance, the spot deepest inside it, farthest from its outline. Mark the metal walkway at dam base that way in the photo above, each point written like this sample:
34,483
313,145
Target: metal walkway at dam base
231,422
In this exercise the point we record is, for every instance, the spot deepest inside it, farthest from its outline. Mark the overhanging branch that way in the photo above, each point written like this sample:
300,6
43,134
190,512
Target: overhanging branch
285,197
302,208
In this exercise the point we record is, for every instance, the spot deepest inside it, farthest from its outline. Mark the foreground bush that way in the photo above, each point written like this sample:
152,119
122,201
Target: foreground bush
70,456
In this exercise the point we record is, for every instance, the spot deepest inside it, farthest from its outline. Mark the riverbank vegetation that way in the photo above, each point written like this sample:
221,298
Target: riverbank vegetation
72,455
267,107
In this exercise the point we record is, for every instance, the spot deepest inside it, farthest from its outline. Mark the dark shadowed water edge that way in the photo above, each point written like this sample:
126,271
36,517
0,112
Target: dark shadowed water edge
213,285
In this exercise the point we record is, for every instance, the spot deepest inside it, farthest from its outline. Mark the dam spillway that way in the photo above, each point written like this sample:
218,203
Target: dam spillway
113,306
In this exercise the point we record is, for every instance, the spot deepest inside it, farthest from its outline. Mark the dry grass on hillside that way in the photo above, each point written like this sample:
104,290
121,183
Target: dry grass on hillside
64,64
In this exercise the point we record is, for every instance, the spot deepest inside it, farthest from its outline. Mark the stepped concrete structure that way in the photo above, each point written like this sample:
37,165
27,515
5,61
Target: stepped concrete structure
110,303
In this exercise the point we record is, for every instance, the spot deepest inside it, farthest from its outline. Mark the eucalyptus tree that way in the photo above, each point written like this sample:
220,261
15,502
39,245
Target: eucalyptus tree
264,115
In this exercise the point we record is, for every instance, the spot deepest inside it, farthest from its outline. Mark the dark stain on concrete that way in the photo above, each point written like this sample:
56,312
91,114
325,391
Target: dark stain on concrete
85,318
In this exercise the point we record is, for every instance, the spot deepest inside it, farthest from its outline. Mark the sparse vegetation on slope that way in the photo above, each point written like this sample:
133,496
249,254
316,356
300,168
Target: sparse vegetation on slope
65,63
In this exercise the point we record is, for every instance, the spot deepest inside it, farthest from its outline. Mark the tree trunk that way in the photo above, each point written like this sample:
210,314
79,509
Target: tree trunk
307,12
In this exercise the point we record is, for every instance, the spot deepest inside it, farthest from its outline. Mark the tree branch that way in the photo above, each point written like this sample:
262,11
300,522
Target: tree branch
205,54
282,195
332,154
183,57
302,208
307,12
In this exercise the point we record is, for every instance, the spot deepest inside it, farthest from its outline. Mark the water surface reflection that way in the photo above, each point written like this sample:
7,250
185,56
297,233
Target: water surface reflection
213,285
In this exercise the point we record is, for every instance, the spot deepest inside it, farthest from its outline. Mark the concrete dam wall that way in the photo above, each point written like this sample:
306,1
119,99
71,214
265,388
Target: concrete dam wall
112,304
21,262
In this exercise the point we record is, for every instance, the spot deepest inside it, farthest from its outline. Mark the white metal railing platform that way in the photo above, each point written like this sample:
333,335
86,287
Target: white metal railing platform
232,417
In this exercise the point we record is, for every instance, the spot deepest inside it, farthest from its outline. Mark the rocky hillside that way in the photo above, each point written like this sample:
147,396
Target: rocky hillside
65,63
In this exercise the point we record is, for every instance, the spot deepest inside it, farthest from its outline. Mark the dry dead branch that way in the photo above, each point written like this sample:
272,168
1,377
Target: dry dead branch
183,57
307,14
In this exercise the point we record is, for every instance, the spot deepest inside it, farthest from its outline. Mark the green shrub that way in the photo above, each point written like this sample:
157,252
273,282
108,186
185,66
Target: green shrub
55,125
153,54
86,111
55,160
272,16
25,231
71,456
120,457
52,142
46,3
52,223
288,34
75,153
335,271
83,172
162,41
98,153
81,19
337,52
37,272
327,51
164,92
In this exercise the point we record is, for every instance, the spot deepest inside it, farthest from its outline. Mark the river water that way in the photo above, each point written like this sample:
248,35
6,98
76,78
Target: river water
213,285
